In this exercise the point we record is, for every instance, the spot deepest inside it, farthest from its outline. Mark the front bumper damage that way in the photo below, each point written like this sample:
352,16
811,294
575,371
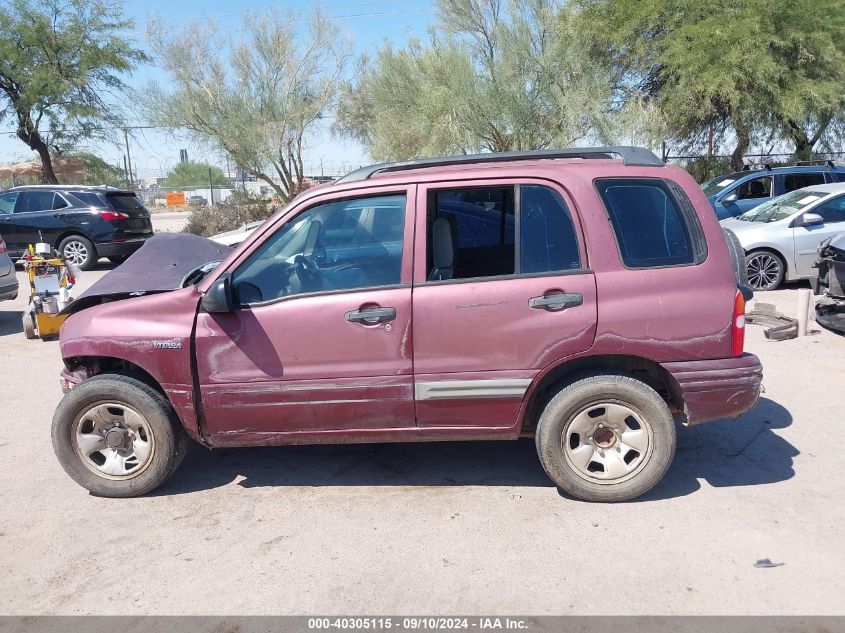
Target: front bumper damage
830,309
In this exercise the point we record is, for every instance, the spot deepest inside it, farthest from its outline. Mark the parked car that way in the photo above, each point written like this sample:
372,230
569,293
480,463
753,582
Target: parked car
602,309
830,283
82,223
780,237
236,236
8,278
734,194
197,201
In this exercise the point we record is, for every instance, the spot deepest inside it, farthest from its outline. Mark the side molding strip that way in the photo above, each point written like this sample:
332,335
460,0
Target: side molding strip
469,389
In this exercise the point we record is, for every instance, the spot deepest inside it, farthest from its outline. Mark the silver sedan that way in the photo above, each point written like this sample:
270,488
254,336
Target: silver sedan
780,237
8,279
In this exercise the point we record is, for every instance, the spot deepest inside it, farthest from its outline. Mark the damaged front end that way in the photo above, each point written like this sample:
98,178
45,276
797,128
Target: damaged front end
830,309
165,262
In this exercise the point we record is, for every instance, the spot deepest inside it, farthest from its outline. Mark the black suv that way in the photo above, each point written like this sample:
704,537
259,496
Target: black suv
83,223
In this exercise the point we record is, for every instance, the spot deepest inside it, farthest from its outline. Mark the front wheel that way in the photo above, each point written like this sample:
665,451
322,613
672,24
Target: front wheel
765,270
606,438
117,436
28,321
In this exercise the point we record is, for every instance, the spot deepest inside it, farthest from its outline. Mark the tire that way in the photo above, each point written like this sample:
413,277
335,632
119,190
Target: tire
737,254
618,415
154,440
79,251
28,325
118,259
765,270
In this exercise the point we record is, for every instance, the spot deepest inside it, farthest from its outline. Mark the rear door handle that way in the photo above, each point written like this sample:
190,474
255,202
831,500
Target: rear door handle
556,301
371,316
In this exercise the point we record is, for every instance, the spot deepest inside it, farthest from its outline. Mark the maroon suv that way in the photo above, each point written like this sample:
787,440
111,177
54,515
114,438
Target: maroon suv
588,301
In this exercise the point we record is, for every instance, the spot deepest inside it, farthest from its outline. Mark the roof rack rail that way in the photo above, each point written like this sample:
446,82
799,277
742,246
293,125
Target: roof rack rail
821,161
630,155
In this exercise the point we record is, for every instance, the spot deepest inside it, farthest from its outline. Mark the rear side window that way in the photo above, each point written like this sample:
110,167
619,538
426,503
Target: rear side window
651,230
89,199
791,182
487,232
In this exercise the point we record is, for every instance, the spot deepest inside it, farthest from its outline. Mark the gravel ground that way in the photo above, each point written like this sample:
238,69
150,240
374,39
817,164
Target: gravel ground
436,528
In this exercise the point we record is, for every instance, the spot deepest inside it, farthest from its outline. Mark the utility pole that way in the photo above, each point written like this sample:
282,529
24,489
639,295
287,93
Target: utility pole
128,158
210,188
126,173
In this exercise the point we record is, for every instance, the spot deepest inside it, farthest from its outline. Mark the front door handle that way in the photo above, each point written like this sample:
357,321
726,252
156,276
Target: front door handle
371,316
556,301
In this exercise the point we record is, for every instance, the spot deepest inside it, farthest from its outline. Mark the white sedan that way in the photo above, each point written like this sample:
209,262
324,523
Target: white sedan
235,237
780,237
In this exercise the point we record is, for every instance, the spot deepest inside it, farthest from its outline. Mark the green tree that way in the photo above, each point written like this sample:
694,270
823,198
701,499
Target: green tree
751,69
494,76
257,97
191,174
58,58
99,172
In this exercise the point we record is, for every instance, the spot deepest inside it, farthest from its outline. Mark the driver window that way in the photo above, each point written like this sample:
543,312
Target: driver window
341,245
755,188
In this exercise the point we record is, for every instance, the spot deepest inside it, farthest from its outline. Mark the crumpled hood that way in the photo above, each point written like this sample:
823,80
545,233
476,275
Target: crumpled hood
158,266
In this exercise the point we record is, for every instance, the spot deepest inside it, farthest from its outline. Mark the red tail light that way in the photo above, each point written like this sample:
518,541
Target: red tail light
2,246
738,326
110,215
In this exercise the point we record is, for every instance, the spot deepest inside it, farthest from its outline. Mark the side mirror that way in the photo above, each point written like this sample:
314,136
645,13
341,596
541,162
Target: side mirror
811,219
219,296
731,197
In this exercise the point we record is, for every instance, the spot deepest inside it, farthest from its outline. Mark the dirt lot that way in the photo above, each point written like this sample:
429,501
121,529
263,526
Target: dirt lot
436,528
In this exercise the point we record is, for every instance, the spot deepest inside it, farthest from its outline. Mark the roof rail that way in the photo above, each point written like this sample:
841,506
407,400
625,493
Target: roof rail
630,155
821,161
756,166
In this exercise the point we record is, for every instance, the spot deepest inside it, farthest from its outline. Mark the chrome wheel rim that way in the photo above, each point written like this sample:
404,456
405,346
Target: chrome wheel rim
113,440
607,442
763,271
75,252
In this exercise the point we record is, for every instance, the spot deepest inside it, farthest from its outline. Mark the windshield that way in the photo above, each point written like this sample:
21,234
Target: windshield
712,187
782,207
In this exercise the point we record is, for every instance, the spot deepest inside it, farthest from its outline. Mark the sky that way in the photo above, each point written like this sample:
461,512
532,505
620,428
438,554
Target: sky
369,23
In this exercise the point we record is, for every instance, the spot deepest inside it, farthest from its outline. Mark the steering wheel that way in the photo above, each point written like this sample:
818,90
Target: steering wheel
308,272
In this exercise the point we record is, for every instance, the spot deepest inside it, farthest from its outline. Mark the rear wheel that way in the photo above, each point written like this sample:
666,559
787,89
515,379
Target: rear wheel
79,251
606,438
765,270
118,259
117,436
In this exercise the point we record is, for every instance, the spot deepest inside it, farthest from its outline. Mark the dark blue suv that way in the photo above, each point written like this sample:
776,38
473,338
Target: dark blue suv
82,223
734,194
